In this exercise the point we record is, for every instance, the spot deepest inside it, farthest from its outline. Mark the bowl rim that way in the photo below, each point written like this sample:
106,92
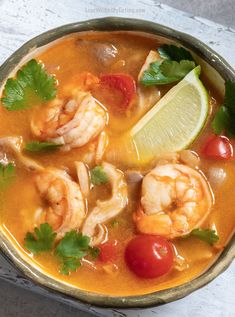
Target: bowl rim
138,301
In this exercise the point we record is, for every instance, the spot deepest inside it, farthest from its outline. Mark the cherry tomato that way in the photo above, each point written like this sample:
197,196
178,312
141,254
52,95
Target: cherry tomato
218,147
149,256
123,83
108,251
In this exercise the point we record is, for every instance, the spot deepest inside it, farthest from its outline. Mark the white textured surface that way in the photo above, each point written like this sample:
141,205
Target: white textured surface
23,19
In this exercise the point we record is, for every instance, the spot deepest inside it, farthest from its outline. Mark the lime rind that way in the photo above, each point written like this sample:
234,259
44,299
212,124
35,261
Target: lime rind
205,100
158,132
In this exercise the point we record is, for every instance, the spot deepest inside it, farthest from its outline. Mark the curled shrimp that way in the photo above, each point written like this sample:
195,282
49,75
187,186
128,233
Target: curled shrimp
64,206
107,209
175,199
73,121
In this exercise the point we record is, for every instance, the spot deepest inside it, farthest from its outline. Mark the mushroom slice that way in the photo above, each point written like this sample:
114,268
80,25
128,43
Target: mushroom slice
107,209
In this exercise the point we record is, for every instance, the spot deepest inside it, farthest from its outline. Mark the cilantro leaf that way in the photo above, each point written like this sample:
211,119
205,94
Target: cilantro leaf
73,245
177,70
229,97
36,146
72,248
153,75
177,62
225,117
221,120
42,239
99,176
94,252
70,264
207,235
7,174
174,53
31,83
166,72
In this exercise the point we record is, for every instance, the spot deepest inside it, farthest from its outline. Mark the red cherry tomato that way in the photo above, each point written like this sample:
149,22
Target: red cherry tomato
149,256
218,147
123,83
108,251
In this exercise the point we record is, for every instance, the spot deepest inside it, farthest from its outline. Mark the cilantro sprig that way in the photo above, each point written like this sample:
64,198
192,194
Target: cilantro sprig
7,174
176,64
224,119
207,235
72,248
99,176
42,239
175,53
31,83
37,146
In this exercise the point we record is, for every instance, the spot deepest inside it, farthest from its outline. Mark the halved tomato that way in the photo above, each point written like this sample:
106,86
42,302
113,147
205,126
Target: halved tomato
123,83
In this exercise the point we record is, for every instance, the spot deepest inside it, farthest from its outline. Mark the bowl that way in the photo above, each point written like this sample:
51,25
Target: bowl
216,68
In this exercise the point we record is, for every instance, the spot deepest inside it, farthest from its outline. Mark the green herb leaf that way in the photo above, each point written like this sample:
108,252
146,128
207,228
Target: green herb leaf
7,174
175,70
177,62
36,146
229,97
98,176
221,120
73,245
153,75
42,239
207,235
225,117
31,83
70,264
72,248
166,72
94,252
174,53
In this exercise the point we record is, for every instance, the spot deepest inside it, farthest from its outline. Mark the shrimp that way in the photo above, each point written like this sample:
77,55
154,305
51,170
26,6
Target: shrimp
107,209
72,122
175,199
64,204
65,207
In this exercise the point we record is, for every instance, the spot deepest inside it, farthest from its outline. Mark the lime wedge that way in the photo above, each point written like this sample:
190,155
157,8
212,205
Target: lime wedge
175,121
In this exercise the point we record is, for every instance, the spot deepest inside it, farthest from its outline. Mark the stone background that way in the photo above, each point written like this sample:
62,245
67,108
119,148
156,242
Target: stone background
220,11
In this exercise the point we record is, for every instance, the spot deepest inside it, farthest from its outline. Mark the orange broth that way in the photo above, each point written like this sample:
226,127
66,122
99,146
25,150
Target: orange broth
66,58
